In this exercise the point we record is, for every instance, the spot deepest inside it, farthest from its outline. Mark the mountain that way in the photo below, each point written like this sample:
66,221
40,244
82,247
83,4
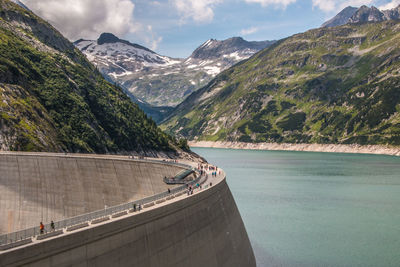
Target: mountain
392,13
327,85
362,15
341,18
160,80
53,99
229,49
367,14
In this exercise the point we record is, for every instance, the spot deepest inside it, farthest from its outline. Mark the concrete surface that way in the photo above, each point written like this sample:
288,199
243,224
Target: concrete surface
204,229
45,187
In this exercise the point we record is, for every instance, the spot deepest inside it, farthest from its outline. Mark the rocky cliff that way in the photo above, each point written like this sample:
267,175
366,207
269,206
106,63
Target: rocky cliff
53,99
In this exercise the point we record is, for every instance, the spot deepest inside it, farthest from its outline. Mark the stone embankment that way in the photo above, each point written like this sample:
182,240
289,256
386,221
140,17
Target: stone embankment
338,148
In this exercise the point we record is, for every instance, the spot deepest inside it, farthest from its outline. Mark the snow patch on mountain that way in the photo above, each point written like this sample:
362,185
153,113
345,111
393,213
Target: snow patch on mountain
162,80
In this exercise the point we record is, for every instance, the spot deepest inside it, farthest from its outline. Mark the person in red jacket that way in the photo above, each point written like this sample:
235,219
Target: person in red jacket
41,227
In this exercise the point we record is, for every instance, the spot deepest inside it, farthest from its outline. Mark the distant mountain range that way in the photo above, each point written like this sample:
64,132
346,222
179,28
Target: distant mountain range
328,85
362,15
160,80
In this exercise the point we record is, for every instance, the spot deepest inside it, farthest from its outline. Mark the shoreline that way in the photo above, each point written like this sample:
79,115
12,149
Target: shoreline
335,148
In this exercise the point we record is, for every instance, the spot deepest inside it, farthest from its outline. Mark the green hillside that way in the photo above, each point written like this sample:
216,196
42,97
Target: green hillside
53,99
327,85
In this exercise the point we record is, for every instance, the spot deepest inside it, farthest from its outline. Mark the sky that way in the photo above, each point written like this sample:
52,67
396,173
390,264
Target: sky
176,28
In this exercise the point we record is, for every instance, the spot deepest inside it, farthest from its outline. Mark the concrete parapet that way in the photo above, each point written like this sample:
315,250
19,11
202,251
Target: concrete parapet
78,226
119,214
160,201
147,205
100,220
49,234
16,244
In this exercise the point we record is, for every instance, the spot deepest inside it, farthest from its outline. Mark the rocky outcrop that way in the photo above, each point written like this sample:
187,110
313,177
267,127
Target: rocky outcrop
341,18
54,99
367,14
362,15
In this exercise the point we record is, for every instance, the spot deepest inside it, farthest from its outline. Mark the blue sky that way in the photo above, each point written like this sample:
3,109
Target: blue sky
176,27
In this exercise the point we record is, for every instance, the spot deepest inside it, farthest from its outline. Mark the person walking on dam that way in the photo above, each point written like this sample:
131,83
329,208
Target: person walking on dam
41,227
53,227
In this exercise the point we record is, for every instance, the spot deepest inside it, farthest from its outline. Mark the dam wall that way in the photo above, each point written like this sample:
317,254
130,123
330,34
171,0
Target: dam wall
44,187
204,229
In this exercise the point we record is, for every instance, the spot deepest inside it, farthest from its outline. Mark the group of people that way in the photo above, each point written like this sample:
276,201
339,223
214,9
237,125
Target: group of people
189,190
41,227
137,207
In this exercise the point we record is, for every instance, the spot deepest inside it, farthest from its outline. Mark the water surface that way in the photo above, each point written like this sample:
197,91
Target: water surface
316,209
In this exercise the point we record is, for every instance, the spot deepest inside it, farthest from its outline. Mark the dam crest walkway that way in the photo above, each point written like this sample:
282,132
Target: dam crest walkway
30,236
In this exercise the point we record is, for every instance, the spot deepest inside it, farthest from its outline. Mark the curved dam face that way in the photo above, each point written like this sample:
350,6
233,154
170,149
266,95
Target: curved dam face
204,229
45,187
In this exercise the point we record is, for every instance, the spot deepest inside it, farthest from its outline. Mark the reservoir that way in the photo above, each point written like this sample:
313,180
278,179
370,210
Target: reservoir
316,209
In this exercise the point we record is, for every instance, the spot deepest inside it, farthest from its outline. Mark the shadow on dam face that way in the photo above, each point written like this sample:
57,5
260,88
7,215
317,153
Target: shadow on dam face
204,229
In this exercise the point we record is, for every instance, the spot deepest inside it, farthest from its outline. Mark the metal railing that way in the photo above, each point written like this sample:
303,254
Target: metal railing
87,217
179,178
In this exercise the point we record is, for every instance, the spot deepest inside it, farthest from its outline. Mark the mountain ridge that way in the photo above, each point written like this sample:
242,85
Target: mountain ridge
161,80
327,85
362,14
53,99
341,18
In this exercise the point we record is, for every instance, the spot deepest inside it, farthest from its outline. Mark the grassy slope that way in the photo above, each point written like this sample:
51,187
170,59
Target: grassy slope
328,85
53,99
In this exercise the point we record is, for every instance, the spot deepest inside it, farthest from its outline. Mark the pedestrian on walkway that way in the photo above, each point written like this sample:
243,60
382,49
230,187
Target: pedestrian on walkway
134,207
169,191
53,227
41,227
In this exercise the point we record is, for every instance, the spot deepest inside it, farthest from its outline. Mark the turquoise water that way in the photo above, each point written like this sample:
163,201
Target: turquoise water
316,209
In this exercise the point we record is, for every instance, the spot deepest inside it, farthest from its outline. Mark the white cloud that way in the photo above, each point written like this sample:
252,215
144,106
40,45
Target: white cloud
154,40
249,31
86,19
278,3
325,5
200,11
390,5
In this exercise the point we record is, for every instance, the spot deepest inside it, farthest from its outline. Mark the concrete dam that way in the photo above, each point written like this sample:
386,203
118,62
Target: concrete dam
175,229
